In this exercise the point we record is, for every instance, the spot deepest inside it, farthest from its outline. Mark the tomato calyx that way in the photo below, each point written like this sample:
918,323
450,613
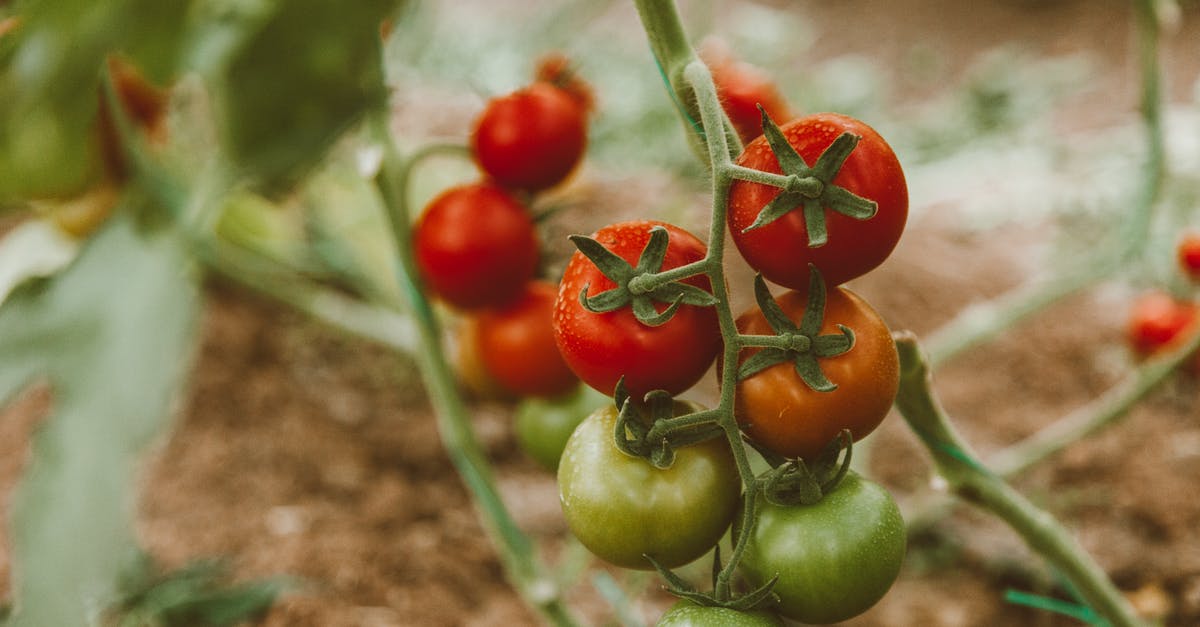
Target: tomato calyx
792,482
651,429
642,286
762,597
811,188
799,344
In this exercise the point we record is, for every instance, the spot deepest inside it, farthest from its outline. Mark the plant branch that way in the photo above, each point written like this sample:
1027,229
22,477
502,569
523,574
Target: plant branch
971,481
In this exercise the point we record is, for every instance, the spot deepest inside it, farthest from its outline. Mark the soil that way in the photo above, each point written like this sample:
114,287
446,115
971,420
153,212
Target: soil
302,451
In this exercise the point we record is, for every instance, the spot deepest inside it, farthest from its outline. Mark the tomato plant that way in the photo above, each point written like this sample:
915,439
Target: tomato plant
531,139
543,425
1188,254
622,508
835,558
476,246
824,222
782,412
685,613
603,347
516,344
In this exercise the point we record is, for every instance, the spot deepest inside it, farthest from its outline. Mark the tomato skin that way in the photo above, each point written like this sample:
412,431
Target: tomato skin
543,425
516,344
835,559
780,249
476,246
530,139
1157,321
1188,255
621,507
685,613
602,347
780,411
473,376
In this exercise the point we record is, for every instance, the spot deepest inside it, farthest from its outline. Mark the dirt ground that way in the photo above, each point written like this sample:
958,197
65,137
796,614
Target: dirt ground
302,451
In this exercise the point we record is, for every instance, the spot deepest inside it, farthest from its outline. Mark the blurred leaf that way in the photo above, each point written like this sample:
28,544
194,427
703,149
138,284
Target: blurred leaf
301,75
34,249
112,334
197,595
49,78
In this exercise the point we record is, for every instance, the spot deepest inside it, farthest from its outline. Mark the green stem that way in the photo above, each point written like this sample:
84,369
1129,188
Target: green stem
650,282
758,176
516,549
970,480
1154,167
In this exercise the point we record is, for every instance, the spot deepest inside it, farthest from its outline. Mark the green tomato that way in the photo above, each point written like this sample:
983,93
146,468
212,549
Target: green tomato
685,613
835,559
622,507
544,425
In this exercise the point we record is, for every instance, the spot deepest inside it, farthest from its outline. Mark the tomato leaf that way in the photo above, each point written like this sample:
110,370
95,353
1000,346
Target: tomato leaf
610,264
651,259
849,204
604,302
790,161
779,321
832,159
645,312
112,335
762,360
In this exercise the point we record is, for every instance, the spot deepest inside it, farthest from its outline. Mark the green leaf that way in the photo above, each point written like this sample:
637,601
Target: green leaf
305,71
112,334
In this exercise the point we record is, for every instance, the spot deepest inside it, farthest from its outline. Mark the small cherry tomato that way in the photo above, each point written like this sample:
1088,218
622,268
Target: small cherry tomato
1188,255
476,246
543,425
555,68
603,347
468,365
742,88
622,507
835,558
530,139
777,409
686,613
1158,321
516,344
780,249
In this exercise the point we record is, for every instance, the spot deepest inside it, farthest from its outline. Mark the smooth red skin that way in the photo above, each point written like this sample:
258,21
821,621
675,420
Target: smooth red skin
1157,320
530,139
779,411
600,348
741,88
516,345
1189,256
476,246
780,249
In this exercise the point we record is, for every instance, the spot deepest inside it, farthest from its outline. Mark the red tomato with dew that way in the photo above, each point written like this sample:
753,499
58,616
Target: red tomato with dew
531,139
603,347
516,344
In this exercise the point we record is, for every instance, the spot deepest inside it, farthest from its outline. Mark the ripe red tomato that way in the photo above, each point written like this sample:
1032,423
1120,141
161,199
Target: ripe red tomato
742,88
476,246
516,344
1188,254
530,139
603,347
781,412
1157,321
555,68
780,249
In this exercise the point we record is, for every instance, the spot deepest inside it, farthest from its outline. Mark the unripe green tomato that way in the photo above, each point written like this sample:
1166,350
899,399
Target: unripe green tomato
622,508
835,558
544,425
685,613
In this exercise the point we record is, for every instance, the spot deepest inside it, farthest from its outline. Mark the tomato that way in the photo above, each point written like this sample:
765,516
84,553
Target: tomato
1188,254
530,139
780,249
516,344
543,425
780,411
685,613
473,376
835,558
1158,321
621,507
476,246
556,69
742,88
603,347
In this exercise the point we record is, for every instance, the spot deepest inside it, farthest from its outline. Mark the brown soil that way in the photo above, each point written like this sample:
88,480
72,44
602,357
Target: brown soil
302,451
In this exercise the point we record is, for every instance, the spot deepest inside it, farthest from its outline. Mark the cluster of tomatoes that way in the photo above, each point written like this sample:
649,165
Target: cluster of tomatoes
1160,320
814,362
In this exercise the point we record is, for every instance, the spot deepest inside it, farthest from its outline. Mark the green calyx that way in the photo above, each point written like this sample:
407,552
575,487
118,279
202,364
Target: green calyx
760,598
651,430
811,188
791,482
639,287
801,344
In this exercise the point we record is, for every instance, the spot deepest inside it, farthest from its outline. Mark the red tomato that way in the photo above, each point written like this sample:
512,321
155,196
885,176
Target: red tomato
780,249
742,88
530,139
601,347
1157,321
516,344
1189,256
476,246
780,411
555,68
